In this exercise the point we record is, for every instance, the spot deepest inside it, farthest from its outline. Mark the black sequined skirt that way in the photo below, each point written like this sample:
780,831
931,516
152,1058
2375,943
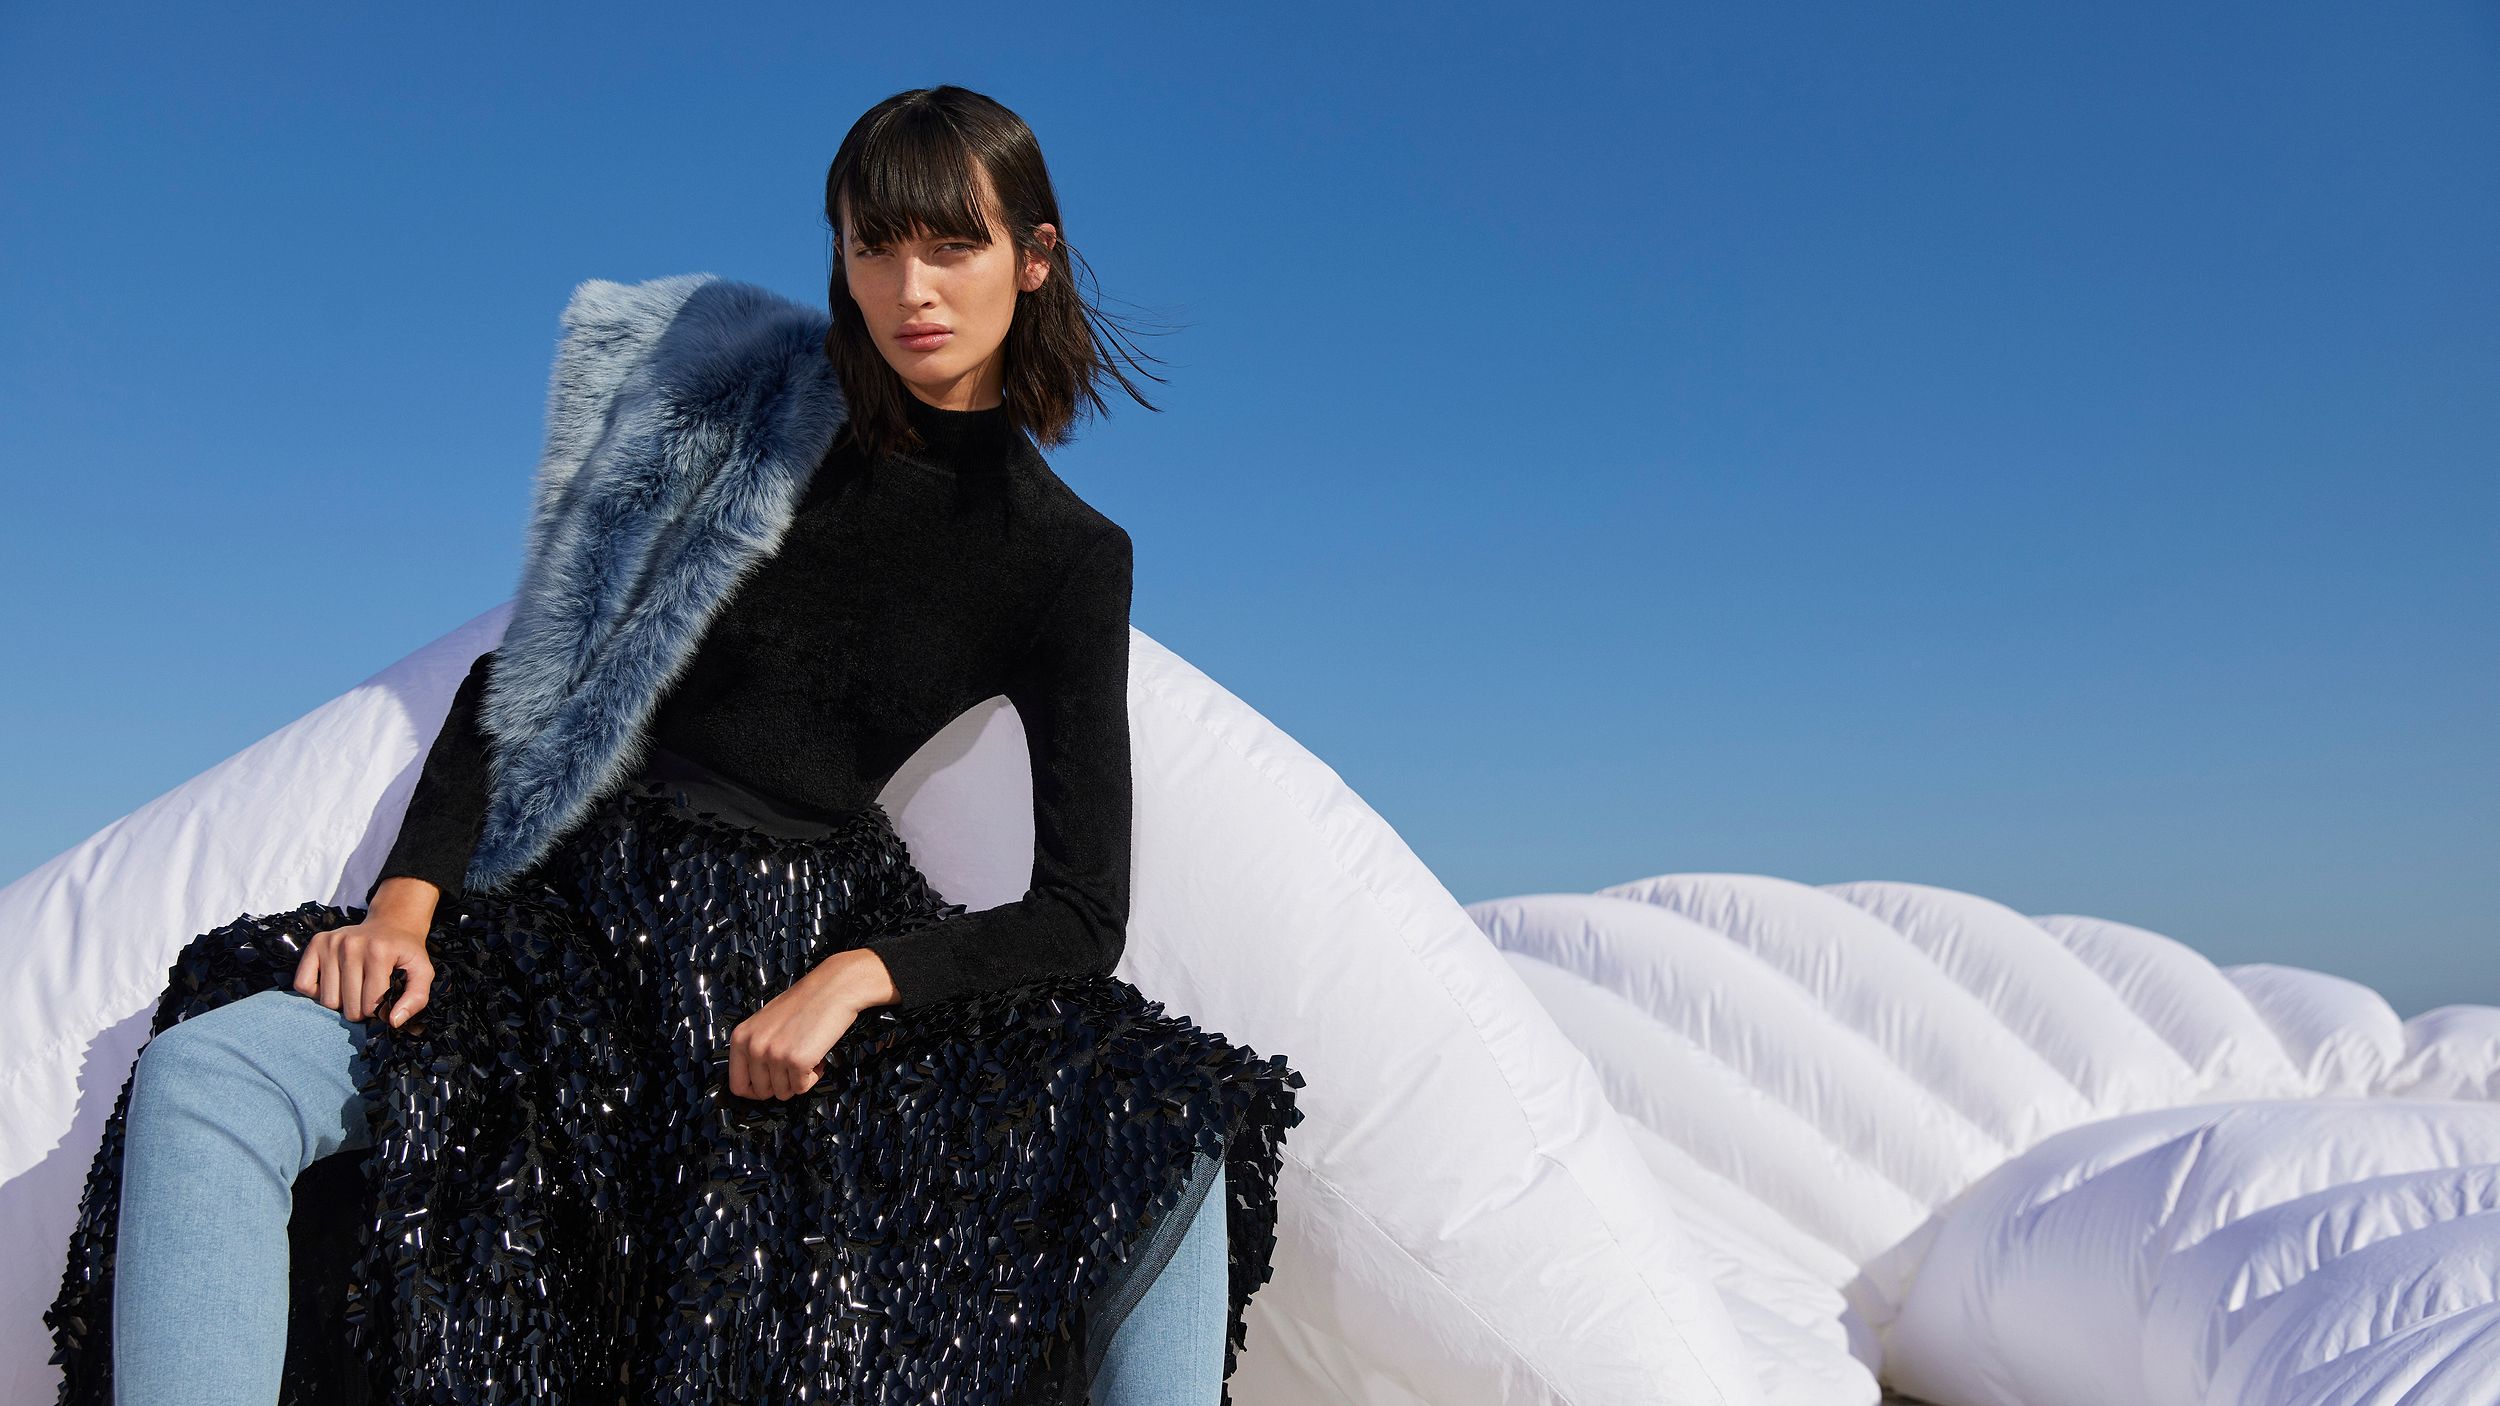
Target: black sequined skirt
564,1203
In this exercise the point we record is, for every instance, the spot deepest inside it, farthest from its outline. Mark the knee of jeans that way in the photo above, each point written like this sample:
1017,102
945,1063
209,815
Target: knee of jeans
178,1062
171,1068
186,1058
237,1067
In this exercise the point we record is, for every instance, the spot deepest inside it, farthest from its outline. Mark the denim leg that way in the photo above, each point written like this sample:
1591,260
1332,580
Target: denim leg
1169,1351
225,1109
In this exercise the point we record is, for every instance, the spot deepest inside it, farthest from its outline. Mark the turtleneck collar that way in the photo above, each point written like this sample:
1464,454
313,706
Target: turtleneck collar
961,441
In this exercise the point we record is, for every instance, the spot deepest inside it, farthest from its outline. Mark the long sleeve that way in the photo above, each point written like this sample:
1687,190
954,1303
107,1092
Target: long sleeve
447,810
1071,691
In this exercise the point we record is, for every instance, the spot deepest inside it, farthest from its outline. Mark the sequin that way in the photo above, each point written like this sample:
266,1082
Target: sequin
563,1202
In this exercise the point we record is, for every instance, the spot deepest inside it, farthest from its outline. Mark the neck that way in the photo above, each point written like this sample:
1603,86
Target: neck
968,441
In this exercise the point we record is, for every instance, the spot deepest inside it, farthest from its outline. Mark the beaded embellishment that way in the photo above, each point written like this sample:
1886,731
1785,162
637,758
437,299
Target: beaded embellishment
564,1203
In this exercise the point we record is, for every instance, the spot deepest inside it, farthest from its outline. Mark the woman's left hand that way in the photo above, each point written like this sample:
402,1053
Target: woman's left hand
779,1052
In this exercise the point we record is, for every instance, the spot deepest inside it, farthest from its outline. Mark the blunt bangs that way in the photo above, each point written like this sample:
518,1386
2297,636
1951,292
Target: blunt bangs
914,176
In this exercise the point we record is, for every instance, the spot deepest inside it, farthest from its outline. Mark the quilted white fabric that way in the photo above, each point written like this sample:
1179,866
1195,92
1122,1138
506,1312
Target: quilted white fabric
1992,1160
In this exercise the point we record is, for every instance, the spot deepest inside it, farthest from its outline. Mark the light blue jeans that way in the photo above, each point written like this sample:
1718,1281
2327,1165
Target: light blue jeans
228,1107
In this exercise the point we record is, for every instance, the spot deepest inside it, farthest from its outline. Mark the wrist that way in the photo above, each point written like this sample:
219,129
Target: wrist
857,977
404,901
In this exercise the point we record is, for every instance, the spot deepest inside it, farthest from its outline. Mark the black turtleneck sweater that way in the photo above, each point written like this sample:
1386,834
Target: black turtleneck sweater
907,590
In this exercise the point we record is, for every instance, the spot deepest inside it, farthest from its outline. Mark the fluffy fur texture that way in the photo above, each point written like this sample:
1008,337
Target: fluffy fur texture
684,417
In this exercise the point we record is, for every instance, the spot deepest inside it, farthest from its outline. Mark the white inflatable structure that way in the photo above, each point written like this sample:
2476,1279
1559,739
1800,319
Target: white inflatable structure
2008,1161
1707,1139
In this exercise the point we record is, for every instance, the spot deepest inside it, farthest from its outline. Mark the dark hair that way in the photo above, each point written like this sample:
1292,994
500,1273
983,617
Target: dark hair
906,168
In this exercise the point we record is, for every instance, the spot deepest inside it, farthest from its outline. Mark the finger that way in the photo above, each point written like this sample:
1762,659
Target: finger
329,983
316,957
738,1067
351,981
378,981
378,969
420,988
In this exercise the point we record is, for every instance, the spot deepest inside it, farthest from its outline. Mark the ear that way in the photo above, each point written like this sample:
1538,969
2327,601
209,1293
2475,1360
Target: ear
1036,268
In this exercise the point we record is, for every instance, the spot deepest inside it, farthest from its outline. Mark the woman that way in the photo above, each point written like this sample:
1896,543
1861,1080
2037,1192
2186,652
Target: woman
662,1071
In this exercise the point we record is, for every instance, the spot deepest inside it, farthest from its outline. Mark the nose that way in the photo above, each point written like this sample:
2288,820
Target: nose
914,291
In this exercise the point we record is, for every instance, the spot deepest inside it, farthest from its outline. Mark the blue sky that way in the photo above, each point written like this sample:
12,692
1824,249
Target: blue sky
2041,451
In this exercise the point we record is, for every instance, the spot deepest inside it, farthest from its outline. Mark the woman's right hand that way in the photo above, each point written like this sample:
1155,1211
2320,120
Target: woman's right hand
349,968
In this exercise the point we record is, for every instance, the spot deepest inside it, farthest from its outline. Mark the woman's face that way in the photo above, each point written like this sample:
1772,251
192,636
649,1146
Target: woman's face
939,306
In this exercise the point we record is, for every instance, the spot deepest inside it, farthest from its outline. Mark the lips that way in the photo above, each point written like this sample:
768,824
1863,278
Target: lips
923,336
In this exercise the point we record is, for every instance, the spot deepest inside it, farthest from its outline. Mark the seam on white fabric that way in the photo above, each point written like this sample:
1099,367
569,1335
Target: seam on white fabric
1848,1154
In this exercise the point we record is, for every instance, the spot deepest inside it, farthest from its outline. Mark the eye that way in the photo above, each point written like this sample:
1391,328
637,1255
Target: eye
958,244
